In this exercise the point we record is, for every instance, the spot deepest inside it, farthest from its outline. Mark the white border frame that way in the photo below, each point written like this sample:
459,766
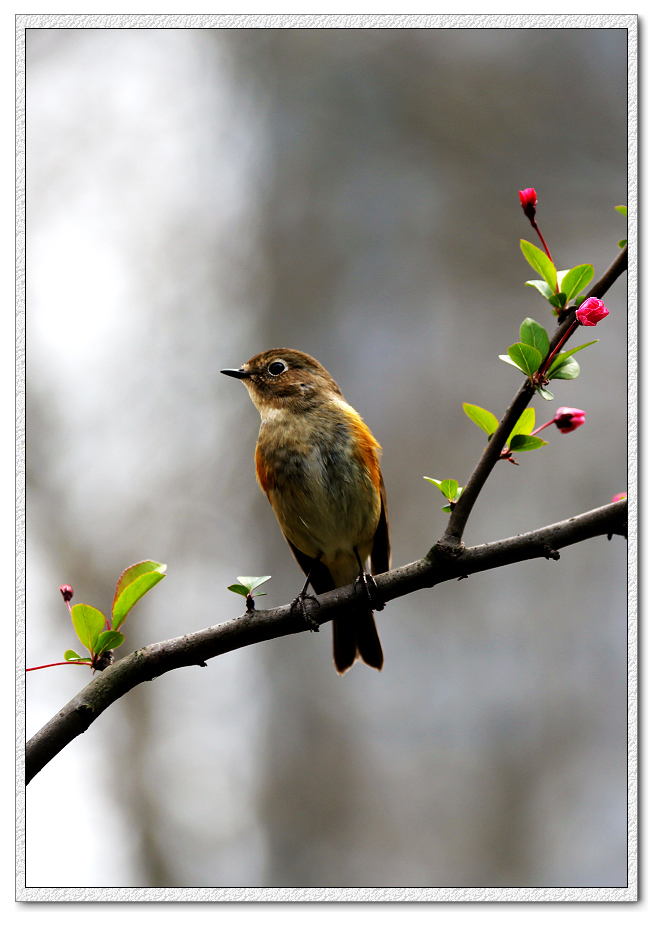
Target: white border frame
315,21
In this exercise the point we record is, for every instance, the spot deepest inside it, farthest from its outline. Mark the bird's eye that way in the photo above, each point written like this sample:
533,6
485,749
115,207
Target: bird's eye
276,368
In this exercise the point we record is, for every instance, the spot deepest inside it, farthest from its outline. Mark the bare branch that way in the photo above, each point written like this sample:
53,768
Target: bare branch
441,564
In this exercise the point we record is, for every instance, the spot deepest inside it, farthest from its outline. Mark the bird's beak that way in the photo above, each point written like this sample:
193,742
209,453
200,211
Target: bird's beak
235,373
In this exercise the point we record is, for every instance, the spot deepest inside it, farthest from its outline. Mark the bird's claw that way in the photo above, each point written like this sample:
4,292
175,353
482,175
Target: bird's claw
300,601
371,590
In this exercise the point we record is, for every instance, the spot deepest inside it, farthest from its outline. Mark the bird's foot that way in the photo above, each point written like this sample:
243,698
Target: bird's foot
300,602
369,584
371,590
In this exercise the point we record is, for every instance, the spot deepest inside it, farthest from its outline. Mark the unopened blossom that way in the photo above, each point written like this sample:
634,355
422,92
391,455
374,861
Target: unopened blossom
528,200
591,312
567,419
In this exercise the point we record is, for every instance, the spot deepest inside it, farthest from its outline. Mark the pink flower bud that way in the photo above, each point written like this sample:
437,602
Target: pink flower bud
66,592
567,419
619,497
591,312
528,200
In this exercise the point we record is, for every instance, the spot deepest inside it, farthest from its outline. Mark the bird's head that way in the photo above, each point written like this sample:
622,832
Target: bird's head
285,379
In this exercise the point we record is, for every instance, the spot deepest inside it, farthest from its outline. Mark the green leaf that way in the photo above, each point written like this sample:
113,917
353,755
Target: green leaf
131,594
482,418
562,357
623,210
566,372
524,425
526,443
509,361
433,481
253,581
108,640
239,589
577,280
622,243
448,486
544,394
558,300
447,508
560,275
70,655
132,573
88,623
525,357
532,334
541,262
542,287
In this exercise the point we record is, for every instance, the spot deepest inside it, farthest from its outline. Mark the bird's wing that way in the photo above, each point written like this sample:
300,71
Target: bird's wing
381,545
321,579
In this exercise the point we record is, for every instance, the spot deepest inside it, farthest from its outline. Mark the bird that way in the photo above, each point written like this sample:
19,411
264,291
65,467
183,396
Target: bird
318,464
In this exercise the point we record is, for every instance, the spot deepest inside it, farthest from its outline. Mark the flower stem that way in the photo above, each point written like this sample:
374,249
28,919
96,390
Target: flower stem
545,364
540,428
542,240
52,664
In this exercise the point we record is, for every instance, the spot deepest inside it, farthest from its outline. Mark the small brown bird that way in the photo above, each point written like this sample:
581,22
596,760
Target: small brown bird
318,464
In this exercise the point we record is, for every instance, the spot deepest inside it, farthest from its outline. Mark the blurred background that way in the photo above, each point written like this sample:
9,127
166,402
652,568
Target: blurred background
195,196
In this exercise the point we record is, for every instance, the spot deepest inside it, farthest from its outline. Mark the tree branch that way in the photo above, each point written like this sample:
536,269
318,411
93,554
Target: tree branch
441,564
452,536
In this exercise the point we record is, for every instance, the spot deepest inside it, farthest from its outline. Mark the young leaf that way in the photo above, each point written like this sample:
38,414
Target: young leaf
482,418
525,357
133,593
541,262
449,488
542,287
70,655
558,300
526,443
524,425
132,573
567,371
544,394
532,334
562,357
239,589
108,640
253,581
509,361
621,243
623,210
577,280
433,481
88,623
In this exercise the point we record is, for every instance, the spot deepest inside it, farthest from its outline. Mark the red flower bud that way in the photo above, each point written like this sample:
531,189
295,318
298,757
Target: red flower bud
619,497
66,592
528,200
591,312
567,419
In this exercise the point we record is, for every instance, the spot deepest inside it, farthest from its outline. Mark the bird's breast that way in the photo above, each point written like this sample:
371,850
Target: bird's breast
320,472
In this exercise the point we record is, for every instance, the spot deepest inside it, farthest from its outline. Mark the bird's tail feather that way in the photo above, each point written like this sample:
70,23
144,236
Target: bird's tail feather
355,636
